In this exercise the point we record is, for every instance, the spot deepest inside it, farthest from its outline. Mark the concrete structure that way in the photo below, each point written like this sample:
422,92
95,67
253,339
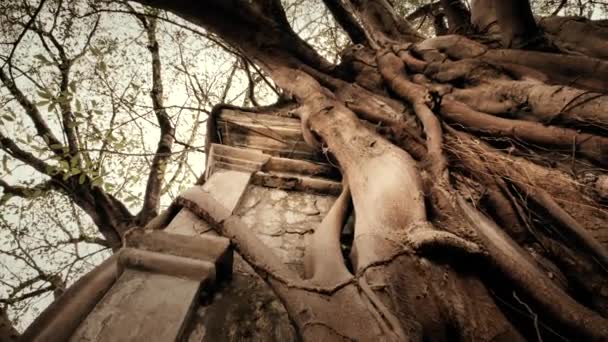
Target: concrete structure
176,279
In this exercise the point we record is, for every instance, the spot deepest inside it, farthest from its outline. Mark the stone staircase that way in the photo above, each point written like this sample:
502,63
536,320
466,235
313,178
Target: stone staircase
151,290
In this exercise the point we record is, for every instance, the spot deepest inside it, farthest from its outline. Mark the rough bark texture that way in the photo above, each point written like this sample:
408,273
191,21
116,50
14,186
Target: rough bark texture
8,333
459,18
473,165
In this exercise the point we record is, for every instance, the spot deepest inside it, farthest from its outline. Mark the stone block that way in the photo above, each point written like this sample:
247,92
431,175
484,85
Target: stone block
141,306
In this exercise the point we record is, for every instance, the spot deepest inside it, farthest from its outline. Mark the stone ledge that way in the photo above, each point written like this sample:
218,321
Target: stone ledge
213,249
167,264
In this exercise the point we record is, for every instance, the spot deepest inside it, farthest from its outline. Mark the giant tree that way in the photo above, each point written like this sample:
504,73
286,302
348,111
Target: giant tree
474,162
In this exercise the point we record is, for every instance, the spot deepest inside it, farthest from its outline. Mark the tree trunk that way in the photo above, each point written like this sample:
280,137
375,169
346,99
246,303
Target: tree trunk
472,219
8,333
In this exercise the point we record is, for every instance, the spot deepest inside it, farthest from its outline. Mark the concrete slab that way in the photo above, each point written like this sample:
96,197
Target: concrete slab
141,306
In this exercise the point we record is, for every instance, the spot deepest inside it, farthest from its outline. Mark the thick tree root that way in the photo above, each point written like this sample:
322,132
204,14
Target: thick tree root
568,223
430,241
590,146
323,261
391,67
512,261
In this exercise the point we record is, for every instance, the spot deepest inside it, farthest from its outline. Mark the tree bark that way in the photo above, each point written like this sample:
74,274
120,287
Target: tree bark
459,18
8,333
151,205
517,25
483,17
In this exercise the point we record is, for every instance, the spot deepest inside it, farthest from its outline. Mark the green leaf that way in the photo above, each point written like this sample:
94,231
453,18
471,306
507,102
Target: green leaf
103,67
8,117
74,160
45,94
74,171
82,178
97,182
51,169
42,58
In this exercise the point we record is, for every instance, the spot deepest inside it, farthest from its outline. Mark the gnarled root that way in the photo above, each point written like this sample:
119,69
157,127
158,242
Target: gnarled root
323,261
512,261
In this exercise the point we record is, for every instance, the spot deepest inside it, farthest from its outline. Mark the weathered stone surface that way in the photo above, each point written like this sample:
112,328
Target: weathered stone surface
246,309
161,274
282,218
186,223
272,171
278,136
206,247
179,267
141,306
227,186
62,317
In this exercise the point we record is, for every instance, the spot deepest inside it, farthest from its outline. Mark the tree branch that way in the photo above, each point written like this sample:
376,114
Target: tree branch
256,27
12,149
152,195
228,85
87,239
347,21
439,24
64,65
23,32
517,25
32,111
559,7
88,41
28,295
24,192
8,332
423,10
381,23
110,215
251,84
459,18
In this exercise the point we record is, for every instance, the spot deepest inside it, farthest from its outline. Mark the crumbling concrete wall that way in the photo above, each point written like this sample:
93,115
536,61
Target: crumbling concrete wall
246,309
283,219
